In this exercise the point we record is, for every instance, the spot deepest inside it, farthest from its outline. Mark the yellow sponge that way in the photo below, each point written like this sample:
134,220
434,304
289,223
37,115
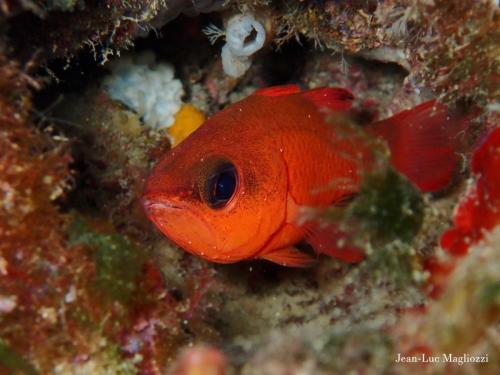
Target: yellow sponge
187,120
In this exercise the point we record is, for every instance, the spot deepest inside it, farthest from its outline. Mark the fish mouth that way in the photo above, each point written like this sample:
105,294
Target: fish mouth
150,204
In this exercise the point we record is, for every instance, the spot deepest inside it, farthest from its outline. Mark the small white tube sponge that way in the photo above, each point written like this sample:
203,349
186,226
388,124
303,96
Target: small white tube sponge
244,36
148,88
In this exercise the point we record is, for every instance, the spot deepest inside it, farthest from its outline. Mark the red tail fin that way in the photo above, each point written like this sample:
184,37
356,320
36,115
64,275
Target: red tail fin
424,143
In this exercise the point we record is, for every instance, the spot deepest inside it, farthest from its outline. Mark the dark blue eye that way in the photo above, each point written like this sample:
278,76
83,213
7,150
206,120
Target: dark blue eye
221,185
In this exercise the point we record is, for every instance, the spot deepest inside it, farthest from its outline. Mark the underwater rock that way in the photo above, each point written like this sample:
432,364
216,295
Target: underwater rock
61,29
189,8
113,153
455,57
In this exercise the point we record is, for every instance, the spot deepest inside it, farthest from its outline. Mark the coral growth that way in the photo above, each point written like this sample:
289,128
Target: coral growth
104,27
447,46
34,174
457,57
91,300
463,322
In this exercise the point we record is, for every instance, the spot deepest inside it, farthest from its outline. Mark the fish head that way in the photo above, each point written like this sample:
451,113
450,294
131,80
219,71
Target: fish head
219,195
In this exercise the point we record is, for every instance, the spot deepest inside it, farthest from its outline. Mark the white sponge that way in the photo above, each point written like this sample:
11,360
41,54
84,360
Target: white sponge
244,36
149,89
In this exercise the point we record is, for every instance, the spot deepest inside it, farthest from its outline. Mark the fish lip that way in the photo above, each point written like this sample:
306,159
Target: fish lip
151,204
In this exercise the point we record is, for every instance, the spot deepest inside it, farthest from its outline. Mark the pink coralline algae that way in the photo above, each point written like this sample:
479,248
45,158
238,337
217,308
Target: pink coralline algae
479,211
200,360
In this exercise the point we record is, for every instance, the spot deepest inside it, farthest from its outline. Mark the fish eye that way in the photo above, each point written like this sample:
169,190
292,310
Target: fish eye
221,185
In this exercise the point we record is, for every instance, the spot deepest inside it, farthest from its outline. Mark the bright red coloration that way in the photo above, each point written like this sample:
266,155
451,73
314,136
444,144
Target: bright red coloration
480,210
287,157
424,143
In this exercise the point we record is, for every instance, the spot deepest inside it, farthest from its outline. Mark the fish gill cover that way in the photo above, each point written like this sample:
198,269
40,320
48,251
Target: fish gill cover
88,286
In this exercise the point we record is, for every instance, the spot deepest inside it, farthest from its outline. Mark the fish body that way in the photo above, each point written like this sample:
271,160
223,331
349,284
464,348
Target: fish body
234,189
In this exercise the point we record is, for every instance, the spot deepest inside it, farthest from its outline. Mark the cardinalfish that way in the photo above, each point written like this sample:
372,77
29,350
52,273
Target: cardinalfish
236,187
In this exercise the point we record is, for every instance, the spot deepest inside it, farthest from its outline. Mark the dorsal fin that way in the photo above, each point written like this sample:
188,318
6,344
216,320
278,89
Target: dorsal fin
278,90
333,98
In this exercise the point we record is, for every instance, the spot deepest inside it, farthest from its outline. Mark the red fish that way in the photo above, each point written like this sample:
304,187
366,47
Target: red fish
235,188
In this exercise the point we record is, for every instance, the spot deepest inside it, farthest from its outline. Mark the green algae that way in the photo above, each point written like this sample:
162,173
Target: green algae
118,261
15,363
391,211
394,262
489,295
389,207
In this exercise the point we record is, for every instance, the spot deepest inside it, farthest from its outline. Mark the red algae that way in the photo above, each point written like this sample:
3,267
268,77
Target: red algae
475,215
73,296
479,211
34,173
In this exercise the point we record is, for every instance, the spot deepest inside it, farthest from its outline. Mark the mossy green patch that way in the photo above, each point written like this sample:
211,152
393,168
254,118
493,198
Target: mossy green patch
118,261
388,206
394,262
383,219
13,362
490,294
